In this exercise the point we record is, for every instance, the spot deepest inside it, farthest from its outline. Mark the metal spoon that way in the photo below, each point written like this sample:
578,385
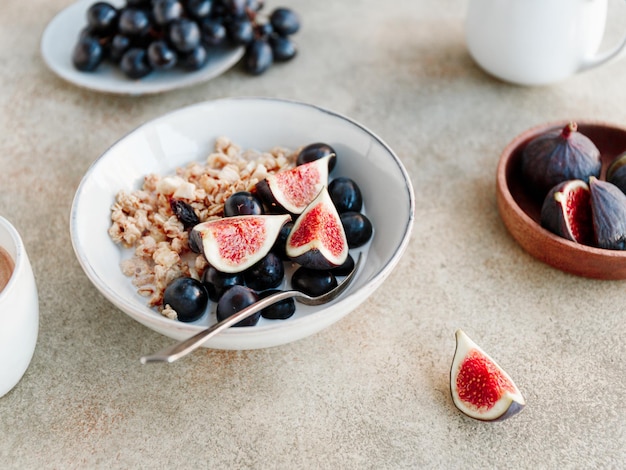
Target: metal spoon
176,351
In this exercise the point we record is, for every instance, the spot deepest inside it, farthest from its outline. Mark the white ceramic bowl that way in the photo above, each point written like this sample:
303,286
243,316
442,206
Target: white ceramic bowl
188,134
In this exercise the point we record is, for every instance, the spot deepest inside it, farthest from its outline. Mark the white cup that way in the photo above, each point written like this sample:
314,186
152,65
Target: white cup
537,42
19,311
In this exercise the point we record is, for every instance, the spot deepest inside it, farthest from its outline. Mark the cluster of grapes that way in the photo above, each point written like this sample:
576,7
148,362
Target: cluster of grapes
147,35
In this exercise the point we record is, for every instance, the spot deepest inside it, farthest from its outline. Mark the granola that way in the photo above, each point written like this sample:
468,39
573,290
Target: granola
143,220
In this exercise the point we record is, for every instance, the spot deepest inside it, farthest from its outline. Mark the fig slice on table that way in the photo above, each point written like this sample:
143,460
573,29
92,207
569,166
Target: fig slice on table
480,388
608,211
292,190
233,244
317,239
566,212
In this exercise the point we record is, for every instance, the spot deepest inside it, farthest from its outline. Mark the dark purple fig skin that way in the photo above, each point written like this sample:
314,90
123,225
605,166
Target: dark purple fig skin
281,242
616,172
512,410
554,218
558,156
263,192
608,209
313,259
344,269
195,241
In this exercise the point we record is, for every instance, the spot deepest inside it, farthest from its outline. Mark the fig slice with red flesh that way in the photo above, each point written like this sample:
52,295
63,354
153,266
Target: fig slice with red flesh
294,189
317,239
233,244
480,388
608,210
566,212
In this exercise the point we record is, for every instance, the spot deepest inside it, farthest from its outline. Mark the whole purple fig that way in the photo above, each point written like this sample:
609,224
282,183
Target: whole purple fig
557,156
608,211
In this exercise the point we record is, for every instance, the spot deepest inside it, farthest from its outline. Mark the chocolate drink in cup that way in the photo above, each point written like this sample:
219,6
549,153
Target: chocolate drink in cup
6,268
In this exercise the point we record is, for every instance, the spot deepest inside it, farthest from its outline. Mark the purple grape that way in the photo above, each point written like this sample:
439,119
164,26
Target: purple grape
285,21
265,274
188,297
234,300
242,203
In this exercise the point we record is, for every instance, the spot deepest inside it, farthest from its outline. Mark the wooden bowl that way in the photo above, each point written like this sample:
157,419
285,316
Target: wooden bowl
520,212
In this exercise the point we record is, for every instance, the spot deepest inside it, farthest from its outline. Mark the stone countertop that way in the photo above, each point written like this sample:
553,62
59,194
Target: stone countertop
372,390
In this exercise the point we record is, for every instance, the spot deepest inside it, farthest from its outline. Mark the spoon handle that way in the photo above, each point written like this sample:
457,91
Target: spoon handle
178,350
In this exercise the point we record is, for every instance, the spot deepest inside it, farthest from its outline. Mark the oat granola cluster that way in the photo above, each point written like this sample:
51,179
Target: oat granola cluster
143,219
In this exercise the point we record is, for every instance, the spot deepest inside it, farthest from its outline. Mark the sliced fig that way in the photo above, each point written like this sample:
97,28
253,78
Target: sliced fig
292,190
557,156
480,388
566,212
317,239
233,244
608,211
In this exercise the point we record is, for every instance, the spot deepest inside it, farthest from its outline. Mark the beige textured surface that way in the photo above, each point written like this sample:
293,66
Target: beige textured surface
372,391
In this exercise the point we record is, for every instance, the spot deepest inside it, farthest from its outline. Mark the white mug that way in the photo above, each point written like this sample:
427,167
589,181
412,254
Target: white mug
19,310
537,42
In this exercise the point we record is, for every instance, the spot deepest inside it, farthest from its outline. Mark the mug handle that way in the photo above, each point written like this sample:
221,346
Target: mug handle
604,57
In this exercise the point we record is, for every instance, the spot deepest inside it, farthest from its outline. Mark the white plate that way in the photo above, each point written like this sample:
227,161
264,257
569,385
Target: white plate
61,34
188,134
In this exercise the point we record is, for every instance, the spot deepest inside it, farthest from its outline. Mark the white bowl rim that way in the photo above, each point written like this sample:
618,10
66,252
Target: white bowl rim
348,301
